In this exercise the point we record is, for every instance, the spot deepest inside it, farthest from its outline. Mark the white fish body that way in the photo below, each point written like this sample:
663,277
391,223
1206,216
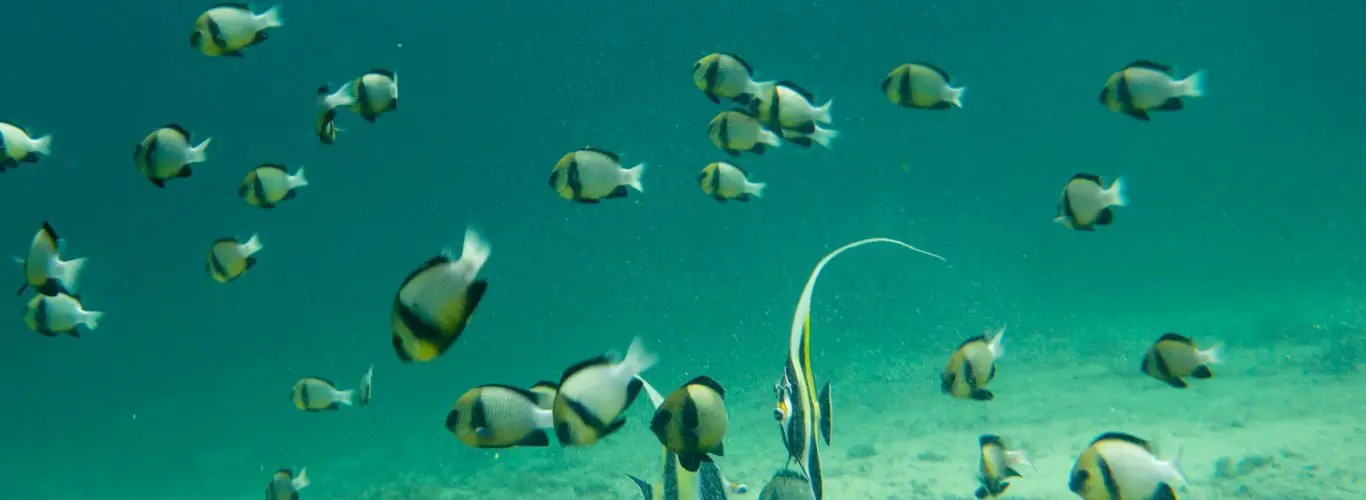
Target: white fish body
173,152
1149,88
240,26
734,183
429,294
602,388
278,183
794,110
18,145
1138,472
63,312
599,175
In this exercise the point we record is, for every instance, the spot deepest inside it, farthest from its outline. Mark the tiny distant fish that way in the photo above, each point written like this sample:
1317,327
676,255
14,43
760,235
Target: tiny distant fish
269,184
434,303
922,86
723,181
366,388
17,146
589,175
692,422
1145,86
727,76
787,106
817,135
44,269
369,95
1174,357
326,124
227,28
545,393
1119,466
1085,204
230,259
284,485
499,416
313,394
166,154
972,366
594,395
997,465
61,313
736,131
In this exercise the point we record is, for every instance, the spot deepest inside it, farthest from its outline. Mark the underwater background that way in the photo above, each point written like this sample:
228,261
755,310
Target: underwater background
1244,226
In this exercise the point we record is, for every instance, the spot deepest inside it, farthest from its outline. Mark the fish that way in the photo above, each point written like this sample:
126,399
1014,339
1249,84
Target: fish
922,86
818,135
166,154
314,394
44,269
677,483
589,175
17,146
595,393
230,259
692,422
545,393
735,131
788,106
269,184
325,126
1120,466
57,314
786,484
435,302
997,465
227,28
972,366
284,485
726,76
1084,204
800,410
367,389
369,95
1174,357
723,181
499,416
1145,86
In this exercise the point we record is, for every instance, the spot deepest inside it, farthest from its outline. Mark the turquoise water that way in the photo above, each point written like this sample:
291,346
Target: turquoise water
1244,213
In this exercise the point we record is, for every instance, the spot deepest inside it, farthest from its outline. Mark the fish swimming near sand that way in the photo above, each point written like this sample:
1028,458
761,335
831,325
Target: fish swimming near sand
676,483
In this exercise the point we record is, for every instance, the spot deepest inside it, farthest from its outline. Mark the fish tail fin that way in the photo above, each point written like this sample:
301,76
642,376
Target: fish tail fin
822,113
346,397
1194,85
997,344
298,180
271,17
301,480
755,188
69,272
1018,457
475,249
252,245
823,136
637,358
1214,355
197,154
17,259
43,145
1116,192
633,177
956,96
767,137
91,319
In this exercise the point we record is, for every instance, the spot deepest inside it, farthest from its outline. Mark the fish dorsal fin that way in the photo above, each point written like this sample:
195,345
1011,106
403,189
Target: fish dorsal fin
646,490
1176,337
546,384
179,130
233,5
990,439
381,71
748,69
1087,177
325,381
273,166
428,264
523,393
806,94
1144,63
709,383
979,338
606,153
585,364
942,74
1128,438
50,232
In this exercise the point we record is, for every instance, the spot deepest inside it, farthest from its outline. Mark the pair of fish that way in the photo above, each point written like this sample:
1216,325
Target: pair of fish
1174,357
590,175
800,410
972,366
369,95
1146,86
723,181
269,184
677,482
57,308
921,85
166,154
1120,466
997,466
586,405
284,485
227,28
788,108
316,394
1085,203
230,259
18,146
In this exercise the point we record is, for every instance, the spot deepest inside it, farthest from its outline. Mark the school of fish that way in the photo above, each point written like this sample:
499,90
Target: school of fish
434,303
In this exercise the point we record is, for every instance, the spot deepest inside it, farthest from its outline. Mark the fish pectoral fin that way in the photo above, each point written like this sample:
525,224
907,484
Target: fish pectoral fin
758,149
1171,104
1138,114
1164,491
981,395
1202,372
158,183
827,413
1106,217
619,192
261,36
537,438
184,172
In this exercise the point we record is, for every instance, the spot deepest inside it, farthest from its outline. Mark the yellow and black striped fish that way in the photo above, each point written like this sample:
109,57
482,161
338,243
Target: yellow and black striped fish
676,483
